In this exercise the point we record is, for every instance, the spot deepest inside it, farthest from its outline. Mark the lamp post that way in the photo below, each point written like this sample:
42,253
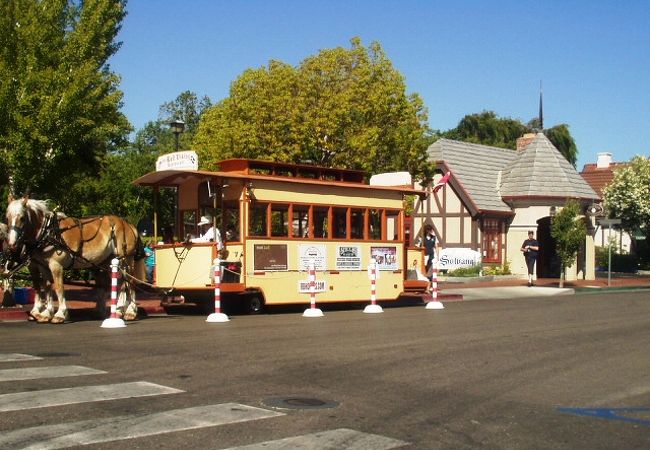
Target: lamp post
177,127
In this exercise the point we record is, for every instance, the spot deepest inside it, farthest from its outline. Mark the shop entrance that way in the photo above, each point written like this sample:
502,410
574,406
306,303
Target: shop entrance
548,262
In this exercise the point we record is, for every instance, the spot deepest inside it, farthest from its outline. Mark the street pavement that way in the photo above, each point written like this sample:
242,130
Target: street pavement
80,297
560,372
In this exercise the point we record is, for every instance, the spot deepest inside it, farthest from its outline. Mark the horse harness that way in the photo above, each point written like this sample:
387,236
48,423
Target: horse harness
51,234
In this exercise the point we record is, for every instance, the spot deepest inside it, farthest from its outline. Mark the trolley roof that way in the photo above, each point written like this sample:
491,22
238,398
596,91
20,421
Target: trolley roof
247,169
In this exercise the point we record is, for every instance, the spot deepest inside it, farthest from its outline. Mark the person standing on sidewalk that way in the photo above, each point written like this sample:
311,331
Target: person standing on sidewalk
530,247
429,250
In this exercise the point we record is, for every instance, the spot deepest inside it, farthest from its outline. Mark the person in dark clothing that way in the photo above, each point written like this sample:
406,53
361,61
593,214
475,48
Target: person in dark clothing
530,247
429,249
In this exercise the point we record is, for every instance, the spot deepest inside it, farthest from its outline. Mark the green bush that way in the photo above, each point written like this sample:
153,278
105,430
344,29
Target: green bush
498,270
620,262
473,271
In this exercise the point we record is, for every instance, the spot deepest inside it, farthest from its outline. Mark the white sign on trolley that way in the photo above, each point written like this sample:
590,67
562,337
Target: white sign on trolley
312,252
303,286
187,160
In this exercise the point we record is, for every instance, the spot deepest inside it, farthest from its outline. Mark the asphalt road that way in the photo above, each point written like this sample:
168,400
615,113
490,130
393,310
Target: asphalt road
566,372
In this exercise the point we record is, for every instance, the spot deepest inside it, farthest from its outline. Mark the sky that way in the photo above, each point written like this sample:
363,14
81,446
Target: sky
591,57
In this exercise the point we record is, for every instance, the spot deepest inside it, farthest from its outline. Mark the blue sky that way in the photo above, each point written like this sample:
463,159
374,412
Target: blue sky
462,57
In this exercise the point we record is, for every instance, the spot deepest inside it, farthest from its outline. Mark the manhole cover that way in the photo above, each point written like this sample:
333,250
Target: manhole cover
299,403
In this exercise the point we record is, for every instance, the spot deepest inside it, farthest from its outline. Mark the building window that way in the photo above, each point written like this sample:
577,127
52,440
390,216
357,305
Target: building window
491,240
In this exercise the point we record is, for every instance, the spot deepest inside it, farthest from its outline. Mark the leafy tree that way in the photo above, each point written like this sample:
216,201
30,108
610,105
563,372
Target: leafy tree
112,191
488,129
59,101
341,107
627,197
188,108
569,231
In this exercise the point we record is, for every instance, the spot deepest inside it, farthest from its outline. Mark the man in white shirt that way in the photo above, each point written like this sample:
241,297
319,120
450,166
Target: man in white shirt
209,235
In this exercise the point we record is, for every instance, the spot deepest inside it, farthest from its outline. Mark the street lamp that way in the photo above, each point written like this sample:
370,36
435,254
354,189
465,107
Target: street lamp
177,127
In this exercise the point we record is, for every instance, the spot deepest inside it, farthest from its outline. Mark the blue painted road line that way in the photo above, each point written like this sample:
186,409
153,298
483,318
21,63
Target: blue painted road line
611,413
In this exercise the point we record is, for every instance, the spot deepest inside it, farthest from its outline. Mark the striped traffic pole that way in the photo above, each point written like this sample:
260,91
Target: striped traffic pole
217,315
113,321
312,311
373,307
434,303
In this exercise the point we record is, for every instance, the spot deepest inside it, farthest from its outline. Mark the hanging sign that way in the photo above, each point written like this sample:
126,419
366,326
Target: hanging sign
185,160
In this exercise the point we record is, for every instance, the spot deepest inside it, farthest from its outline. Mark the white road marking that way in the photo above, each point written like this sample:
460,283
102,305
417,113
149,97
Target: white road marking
82,394
331,439
132,426
33,373
10,357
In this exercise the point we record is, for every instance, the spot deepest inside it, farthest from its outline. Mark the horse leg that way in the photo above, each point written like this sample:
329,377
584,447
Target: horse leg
62,313
43,309
131,311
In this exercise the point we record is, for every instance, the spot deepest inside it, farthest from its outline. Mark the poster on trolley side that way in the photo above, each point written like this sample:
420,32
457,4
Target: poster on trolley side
386,257
348,257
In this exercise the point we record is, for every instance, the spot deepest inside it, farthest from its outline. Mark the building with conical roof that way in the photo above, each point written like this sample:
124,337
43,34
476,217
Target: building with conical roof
495,196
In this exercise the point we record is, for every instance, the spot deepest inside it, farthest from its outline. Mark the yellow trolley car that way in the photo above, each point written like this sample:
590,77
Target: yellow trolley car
275,219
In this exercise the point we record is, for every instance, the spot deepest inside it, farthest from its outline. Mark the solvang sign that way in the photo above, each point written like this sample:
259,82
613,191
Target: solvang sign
454,258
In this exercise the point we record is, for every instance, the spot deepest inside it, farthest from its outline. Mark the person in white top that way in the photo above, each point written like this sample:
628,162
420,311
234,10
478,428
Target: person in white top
210,234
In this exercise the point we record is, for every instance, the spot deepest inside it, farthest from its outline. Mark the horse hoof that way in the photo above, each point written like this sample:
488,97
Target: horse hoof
130,317
57,320
32,317
41,319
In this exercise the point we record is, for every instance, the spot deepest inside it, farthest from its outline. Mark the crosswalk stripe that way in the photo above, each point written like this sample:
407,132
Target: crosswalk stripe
82,394
131,426
10,357
339,438
32,373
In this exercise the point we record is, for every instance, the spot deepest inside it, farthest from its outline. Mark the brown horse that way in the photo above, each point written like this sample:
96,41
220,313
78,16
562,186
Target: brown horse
54,242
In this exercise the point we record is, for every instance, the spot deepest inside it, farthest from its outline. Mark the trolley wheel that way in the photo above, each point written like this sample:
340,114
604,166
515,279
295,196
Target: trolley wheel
254,304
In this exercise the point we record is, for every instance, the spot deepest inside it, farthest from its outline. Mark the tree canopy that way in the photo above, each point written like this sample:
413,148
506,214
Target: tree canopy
488,129
342,107
627,197
59,100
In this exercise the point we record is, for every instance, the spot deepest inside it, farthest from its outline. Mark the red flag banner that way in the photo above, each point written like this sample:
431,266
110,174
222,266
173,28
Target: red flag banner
442,182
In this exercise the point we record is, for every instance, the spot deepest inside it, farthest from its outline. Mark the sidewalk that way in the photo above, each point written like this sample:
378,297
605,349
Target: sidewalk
475,289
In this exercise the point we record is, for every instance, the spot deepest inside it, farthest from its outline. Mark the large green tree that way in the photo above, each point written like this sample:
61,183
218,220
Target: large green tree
341,107
569,231
59,101
627,197
489,129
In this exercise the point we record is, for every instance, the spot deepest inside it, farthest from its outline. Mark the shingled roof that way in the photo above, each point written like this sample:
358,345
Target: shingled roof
476,169
540,170
491,175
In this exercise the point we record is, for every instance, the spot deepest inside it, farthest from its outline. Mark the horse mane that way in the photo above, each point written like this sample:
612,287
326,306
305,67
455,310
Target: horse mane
38,206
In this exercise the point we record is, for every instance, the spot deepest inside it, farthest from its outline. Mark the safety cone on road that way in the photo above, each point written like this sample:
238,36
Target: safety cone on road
217,315
373,307
434,303
113,321
312,311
